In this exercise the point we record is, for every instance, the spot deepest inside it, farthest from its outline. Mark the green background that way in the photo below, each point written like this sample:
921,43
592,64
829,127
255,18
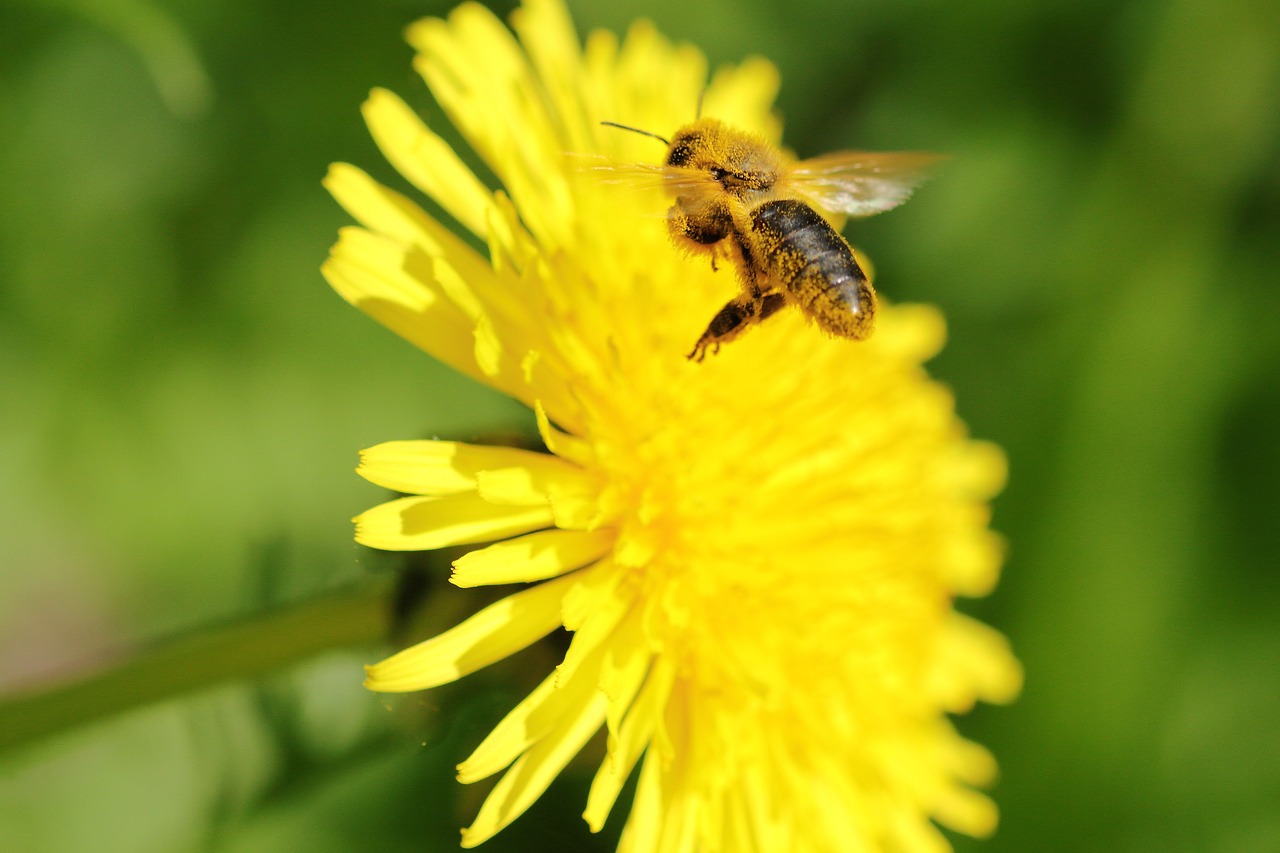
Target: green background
181,399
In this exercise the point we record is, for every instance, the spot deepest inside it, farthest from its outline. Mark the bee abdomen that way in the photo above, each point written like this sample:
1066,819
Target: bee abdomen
815,266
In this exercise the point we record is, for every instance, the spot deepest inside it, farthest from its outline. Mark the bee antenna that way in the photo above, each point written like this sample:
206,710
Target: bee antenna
636,130
701,95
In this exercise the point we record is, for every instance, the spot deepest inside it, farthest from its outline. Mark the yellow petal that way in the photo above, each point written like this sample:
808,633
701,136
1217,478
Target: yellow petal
626,661
423,523
522,727
657,89
540,555
574,509
378,208
968,811
423,283
971,763
603,614
649,811
835,803
481,79
675,824
423,467
594,588
467,278
971,560
742,96
981,470
626,746
915,835
974,661
560,443
536,717
547,35
373,267
427,160
535,770
499,630
911,332
534,485
370,272
451,467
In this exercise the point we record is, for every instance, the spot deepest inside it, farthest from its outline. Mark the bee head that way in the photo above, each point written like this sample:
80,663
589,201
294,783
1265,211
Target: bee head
693,145
739,162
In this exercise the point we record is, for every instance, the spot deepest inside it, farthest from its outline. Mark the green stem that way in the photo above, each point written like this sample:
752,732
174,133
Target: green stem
243,649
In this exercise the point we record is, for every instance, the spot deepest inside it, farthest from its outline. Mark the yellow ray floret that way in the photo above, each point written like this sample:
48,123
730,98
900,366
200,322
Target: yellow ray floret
492,634
533,557
450,467
427,160
424,523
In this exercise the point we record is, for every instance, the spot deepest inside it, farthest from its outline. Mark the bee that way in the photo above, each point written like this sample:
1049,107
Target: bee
738,198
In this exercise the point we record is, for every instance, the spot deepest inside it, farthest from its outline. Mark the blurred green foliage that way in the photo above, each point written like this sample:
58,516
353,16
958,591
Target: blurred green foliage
181,399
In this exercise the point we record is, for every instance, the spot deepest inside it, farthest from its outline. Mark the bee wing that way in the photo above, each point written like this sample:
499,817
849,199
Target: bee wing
859,183
641,176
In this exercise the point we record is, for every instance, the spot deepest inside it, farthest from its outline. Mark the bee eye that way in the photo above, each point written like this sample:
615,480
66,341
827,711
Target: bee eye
718,173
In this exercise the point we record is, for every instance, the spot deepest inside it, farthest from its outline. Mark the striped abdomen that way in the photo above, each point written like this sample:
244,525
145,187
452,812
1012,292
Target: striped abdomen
808,260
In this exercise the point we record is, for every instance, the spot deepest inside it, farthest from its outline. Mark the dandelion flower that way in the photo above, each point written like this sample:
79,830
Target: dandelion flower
757,556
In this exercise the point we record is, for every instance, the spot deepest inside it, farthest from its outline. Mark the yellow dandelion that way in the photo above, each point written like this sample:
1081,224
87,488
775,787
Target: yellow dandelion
757,555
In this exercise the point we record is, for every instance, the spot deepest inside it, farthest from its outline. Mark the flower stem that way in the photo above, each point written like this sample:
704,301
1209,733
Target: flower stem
211,655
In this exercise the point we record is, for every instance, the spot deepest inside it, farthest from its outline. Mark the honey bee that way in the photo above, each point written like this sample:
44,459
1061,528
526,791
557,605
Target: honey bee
739,198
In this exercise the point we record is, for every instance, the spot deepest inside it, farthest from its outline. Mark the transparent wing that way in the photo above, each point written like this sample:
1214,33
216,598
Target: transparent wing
649,187
859,183
674,180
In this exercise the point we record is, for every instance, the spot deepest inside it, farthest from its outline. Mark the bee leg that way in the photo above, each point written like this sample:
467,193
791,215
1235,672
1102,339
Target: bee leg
732,320
709,228
770,303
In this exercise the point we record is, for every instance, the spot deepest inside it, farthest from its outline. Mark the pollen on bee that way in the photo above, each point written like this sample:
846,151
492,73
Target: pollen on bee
736,196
